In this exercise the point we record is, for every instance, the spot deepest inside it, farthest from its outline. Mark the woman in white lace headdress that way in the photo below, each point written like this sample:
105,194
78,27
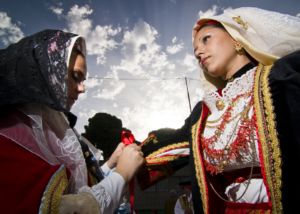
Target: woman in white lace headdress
244,136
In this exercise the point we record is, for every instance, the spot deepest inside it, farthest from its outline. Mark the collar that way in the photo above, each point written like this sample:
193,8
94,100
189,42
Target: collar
71,118
240,72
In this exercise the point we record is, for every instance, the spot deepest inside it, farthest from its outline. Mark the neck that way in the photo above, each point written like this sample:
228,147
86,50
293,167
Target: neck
241,61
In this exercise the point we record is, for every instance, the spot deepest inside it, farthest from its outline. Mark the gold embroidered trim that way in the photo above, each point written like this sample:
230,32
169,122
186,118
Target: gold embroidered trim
271,124
198,164
53,192
150,138
166,158
169,147
259,91
94,180
183,202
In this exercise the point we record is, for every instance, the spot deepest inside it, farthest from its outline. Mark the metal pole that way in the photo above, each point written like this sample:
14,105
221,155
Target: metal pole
187,89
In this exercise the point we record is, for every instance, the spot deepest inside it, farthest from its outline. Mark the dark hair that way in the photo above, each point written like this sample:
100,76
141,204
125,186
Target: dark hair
212,25
77,52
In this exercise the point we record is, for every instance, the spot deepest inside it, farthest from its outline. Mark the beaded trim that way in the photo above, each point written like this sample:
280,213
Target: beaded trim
199,166
53,192
268,136
164,158
149,139
167,148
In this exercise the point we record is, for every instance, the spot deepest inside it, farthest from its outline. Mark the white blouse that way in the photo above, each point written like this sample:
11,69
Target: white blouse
256,192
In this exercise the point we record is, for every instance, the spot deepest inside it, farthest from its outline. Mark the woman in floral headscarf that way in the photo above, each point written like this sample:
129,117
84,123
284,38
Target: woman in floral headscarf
46,165
243,137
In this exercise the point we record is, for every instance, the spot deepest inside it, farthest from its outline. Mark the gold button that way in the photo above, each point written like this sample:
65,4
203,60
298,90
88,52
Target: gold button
220,105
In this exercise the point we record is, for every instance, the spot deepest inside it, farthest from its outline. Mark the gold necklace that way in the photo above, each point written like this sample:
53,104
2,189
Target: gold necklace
250,176
231,104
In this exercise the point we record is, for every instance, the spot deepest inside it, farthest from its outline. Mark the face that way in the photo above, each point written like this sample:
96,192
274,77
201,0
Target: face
76,75
187,191
214,50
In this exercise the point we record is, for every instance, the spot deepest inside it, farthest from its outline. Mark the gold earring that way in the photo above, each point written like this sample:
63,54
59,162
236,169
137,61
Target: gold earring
239,48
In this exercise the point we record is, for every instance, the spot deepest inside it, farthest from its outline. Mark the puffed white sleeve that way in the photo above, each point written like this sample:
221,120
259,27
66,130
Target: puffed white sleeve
178,209
107,193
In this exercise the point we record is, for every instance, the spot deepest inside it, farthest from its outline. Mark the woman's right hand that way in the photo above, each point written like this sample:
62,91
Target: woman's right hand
130,161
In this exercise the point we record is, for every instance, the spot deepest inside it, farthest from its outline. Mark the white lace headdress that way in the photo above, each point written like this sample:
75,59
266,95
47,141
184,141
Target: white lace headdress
265,35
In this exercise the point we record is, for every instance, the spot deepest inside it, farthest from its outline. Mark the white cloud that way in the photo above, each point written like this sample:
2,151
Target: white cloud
98,40
209,12
190,62
110,88
142,55
92,82
227,9
298,15
213,11
87,115
173,49
83,96
164,104
115,105
174,39
199,96
58,11
9,32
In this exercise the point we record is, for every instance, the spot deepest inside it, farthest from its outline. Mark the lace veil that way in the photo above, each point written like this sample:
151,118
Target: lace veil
265,35
35,122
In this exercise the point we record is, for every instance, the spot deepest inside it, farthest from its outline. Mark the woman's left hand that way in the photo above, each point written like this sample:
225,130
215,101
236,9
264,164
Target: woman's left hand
113,160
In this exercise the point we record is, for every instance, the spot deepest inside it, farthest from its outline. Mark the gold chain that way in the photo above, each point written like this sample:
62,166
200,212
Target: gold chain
231,104
250,176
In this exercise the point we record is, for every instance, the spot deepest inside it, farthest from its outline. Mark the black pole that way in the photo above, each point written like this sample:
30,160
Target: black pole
187,89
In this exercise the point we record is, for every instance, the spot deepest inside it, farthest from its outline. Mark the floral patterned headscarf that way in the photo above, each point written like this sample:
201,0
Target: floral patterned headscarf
34,70
34,82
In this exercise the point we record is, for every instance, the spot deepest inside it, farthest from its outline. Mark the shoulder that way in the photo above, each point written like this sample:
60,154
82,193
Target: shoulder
286,66
196,113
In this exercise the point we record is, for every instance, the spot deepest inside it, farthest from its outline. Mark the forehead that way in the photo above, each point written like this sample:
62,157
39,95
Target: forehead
204,30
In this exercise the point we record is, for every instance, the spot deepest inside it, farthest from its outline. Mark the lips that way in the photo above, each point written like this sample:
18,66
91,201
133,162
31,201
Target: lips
203,61
73,99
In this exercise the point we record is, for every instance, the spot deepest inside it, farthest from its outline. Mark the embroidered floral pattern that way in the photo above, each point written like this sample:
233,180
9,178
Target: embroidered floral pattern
246,129
57,67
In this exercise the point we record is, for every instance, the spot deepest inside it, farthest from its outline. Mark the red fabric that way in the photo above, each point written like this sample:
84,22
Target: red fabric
187,186
244,208
127,140
213,22
24,177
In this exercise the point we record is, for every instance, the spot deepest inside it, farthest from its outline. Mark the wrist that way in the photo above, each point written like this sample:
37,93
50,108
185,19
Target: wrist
110,164
124,174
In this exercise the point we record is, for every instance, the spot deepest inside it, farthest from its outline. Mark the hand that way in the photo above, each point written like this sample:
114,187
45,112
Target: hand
130,161
188,211
113,160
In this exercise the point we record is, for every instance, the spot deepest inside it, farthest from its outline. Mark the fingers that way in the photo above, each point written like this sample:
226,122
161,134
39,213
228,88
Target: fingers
121,146
142,154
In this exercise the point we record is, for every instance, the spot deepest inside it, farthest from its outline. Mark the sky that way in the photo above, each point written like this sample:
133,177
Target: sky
139,52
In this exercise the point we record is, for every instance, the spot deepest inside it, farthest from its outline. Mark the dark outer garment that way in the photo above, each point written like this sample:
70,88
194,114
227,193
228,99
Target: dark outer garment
284,83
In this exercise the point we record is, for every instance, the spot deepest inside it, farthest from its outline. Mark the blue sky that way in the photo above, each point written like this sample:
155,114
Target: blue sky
149,40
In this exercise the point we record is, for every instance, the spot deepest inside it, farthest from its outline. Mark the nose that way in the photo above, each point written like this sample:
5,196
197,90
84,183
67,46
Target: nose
80,87
199,51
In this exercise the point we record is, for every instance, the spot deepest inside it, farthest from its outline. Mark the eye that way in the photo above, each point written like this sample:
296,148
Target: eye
77,76
205,39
